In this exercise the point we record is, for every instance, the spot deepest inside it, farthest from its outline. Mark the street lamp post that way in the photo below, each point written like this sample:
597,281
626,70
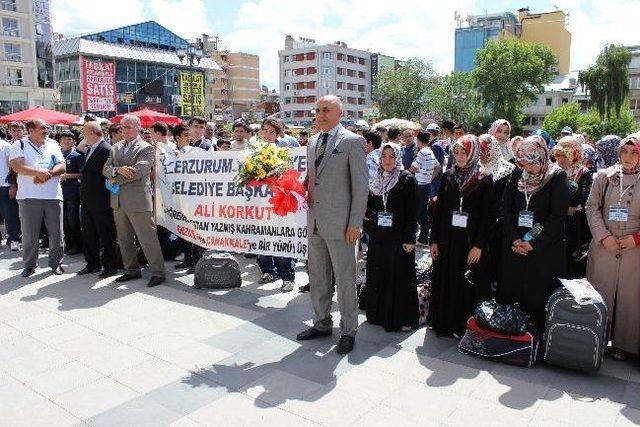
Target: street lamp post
190,55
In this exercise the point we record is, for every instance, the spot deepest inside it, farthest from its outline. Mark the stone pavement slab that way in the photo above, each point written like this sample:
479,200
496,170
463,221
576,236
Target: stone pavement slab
81,351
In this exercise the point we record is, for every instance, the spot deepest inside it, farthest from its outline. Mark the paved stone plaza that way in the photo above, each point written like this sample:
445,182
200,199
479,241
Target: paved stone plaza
78,352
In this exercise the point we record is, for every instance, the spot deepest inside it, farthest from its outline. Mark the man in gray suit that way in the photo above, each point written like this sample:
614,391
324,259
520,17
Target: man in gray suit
129,166
337,184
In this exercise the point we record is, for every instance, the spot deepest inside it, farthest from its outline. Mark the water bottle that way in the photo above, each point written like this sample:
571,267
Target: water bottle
533,232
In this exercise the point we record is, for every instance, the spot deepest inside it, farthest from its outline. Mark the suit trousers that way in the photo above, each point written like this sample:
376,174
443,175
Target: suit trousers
99,232
328,258
142,225
32,214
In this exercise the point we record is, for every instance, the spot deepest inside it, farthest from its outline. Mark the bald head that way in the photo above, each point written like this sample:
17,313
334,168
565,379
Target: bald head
91,132
328,112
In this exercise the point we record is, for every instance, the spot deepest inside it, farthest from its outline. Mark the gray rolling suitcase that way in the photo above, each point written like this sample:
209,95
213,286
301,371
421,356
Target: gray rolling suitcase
576,328
217,270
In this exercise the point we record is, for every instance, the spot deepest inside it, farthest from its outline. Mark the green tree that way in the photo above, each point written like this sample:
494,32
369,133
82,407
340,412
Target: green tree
565,115
510,74
596,127
608,80
403,92
454,98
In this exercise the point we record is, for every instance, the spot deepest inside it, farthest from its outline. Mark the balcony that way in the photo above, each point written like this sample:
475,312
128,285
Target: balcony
13,57
15,81
11,32
8,5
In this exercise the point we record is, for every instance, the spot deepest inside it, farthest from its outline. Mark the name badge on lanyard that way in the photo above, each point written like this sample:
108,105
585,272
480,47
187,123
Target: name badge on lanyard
618,214
460,218
525,217
385,219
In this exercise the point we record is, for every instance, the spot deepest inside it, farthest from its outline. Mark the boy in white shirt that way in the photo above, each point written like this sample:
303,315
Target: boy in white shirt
425,167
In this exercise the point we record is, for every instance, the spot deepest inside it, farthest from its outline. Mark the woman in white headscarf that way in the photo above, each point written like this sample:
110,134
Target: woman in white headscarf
501,129
391,222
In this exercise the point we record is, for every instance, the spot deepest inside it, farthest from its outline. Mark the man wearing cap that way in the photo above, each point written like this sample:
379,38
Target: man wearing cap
70,181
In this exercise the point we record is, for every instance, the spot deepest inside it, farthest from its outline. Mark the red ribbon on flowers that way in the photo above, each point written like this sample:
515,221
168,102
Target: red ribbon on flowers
285,189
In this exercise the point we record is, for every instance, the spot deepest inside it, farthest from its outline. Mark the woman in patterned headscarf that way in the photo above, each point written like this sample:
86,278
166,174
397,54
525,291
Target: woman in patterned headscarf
391,221
536,194
613,267
589,157
494,164
501,129
462,221
569,156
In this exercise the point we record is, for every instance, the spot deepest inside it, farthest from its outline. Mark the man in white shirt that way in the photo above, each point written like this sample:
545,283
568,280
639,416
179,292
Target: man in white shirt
8,204
241,133
424,167
39,162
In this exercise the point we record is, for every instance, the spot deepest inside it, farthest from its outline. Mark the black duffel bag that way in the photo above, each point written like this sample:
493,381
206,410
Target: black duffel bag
506,319
217,270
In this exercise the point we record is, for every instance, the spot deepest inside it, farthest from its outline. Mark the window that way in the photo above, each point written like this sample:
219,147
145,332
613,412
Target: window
286,58
351,86
340,85
360,88
325,84
326,71
548,102
565,100
341,57
361,61
340,71
311,70
287,100
10,27
12,52
14,77
361,74
351,73
311,85
326,55
9,5
310,56
351,58
299,57
287,73
287,86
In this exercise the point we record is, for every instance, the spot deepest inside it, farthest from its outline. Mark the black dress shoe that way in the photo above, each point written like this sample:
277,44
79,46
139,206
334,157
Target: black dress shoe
58,271
72,251
312,333
88,270
183,264
191,270
126,277
155,281
304,288
345,344
28,271
108,273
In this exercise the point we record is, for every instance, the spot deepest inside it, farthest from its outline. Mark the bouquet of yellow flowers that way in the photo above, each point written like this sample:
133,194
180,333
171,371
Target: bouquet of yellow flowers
268,164
264,164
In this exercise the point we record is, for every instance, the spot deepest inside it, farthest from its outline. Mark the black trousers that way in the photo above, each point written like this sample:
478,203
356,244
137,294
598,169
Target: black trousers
99,232
71,221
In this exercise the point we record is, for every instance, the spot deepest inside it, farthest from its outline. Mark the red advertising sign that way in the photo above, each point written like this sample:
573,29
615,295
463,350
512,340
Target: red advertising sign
98,85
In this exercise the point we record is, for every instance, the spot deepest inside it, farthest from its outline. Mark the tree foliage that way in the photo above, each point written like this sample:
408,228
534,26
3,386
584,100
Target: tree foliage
509,75
590,123
403,92
608,80
454,98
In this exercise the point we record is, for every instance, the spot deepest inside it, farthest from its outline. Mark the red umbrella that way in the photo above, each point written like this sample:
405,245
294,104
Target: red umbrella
50,116
149,117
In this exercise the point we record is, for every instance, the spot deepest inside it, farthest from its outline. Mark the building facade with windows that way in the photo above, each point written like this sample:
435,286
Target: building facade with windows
129,68
634,82
26,69
309,71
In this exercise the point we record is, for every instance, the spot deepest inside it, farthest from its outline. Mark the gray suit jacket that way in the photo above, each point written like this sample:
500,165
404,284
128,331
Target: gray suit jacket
135,194
338,190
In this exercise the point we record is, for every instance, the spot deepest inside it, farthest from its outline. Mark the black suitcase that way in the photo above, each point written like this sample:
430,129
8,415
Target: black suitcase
575,331
217,270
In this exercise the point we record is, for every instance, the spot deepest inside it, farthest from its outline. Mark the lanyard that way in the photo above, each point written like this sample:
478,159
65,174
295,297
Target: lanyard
35,148
527,198
622,193
67,156
385,195
461,203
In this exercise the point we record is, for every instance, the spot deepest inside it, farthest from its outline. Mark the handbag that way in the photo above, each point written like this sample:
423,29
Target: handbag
506,319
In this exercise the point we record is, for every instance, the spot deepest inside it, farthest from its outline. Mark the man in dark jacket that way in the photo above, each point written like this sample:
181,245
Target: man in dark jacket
99,229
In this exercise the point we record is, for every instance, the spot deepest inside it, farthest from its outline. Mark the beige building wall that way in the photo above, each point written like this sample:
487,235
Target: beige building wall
18,67
549,29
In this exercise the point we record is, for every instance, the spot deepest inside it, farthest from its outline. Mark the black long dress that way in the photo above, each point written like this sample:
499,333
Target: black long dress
578,233
497,232
391,293
453,298
530,280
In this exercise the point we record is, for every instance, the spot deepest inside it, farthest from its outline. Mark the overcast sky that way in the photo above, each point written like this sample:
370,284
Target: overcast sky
401,28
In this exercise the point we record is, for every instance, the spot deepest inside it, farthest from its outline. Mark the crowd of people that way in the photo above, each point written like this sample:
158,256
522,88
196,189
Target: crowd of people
502,216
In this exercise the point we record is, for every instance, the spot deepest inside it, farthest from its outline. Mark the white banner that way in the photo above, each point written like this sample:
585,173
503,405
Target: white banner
197,199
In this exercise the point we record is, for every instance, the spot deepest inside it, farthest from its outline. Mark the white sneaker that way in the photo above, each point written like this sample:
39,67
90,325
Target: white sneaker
287,286
15,246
